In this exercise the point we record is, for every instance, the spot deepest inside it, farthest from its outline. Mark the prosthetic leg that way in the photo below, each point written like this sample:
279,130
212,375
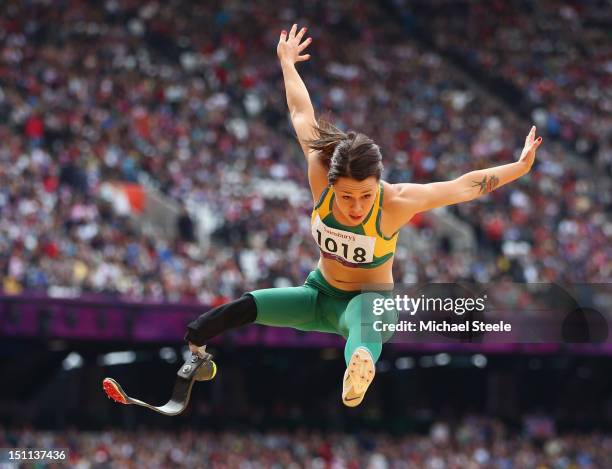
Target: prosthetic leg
196,368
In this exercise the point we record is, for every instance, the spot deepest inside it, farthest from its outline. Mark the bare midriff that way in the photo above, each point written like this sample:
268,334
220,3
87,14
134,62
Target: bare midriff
354,278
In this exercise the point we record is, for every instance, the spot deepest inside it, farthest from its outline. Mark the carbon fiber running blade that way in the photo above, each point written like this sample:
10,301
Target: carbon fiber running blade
181,393
176,405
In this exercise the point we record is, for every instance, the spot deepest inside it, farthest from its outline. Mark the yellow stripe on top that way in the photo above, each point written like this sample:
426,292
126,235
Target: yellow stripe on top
345,252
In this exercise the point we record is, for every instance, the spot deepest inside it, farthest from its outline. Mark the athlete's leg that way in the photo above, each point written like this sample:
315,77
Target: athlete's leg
220,319
285,307
363,344
358,324
294,307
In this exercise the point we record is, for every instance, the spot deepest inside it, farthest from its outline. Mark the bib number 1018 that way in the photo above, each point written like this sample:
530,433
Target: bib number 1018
356,254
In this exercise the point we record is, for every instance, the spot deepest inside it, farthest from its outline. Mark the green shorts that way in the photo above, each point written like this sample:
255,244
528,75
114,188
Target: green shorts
319,306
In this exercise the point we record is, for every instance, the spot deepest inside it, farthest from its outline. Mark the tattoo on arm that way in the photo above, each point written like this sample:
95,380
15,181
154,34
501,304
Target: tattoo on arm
487,184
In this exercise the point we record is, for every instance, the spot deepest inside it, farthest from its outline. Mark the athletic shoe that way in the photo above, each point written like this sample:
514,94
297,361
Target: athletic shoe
357,377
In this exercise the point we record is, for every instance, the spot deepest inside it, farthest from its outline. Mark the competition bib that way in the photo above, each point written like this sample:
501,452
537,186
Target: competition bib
343,246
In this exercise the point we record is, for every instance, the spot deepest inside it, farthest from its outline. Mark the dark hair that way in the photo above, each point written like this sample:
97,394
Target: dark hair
349,154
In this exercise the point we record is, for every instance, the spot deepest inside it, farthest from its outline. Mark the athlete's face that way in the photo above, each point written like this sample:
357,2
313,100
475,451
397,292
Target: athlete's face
354,199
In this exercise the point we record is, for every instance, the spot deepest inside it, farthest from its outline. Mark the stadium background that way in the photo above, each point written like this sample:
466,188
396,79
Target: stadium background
146,158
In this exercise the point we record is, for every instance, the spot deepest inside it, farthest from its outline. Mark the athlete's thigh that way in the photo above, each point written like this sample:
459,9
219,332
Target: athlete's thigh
364,311
330,312
287,307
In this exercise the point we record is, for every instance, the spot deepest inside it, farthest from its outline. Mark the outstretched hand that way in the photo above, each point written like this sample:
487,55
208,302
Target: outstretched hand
529,150
290,46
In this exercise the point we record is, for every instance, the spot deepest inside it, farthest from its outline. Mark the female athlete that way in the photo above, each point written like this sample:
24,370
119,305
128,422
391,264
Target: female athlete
355,222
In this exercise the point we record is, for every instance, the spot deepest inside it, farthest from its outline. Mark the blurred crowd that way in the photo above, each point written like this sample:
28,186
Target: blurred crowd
475,442
191,95
557,52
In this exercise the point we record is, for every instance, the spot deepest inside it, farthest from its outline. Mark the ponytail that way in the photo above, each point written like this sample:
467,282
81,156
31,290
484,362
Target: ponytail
348,154
329,138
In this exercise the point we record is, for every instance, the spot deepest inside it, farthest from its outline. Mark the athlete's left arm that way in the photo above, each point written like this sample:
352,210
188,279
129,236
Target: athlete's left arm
415,198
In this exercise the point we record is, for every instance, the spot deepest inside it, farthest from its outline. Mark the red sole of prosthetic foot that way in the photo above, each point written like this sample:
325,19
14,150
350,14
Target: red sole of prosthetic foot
113,391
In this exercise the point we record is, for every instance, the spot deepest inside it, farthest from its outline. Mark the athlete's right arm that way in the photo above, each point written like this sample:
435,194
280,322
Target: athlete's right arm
302,114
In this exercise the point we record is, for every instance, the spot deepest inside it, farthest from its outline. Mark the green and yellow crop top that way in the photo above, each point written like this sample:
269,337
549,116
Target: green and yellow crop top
362,245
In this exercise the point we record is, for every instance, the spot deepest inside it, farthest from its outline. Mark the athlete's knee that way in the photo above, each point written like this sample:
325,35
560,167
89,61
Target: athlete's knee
364,311
222,318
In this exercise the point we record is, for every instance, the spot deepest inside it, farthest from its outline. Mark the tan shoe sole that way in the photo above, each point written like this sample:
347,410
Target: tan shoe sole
357,377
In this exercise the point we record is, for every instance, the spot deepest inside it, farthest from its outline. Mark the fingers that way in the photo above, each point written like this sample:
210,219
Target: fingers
200,351
304,44
293,31
530,136
534,146
537,143
302,58
300,35
283,36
